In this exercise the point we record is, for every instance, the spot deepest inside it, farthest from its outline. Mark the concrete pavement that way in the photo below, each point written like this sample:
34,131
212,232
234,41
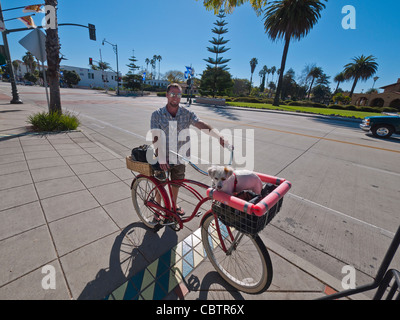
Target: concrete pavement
69,230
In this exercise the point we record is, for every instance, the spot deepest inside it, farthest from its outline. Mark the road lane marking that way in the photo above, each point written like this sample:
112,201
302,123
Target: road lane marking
306,135
341,214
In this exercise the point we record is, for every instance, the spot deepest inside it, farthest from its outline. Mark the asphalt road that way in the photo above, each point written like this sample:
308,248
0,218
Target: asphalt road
343,206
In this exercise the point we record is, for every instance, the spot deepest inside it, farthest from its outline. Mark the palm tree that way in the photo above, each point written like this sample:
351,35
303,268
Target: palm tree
338,78
53,62
147,61
159,58
314,73
287,20
153,67
262,74
268,72
361,68
253,64
273,70
29,60
229,5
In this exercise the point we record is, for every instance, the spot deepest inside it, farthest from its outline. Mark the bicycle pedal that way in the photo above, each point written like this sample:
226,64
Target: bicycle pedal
199,214
157,228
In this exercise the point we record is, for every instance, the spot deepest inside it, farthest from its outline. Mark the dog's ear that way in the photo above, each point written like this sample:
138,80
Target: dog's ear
211,171
228,171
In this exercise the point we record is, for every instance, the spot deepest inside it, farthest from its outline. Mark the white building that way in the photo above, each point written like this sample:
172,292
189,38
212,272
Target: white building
89,78
157,83
94,78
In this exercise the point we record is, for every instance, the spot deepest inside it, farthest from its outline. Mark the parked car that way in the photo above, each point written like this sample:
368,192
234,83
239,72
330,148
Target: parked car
382,126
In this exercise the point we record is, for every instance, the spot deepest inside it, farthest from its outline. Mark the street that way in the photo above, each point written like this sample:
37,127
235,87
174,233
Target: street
343,205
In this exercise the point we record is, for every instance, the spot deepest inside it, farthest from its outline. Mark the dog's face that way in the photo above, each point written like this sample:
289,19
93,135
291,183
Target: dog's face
218,175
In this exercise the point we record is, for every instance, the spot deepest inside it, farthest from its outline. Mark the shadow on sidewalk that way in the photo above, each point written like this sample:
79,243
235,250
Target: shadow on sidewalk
128,259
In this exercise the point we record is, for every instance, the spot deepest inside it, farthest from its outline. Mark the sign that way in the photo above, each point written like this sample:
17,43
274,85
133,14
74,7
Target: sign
35,42
144,76
190,71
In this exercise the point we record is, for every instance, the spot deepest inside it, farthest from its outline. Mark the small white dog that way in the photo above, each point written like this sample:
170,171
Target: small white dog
227,180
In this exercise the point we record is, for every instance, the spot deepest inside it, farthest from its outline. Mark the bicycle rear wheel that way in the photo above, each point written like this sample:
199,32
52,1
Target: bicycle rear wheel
144,190
246,266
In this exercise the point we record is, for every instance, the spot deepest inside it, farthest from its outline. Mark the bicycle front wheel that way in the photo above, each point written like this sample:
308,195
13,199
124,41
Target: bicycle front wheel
143,191
246,265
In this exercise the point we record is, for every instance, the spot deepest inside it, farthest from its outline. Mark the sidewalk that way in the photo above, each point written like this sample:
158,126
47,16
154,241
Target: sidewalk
67,219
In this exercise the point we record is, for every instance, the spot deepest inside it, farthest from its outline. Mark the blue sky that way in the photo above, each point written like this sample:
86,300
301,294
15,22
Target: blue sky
179,31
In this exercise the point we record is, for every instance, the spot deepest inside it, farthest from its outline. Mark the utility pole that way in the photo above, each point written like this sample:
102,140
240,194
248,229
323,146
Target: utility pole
115,47
14,90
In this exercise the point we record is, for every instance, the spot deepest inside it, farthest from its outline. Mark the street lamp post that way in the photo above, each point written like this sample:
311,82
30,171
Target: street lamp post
115,47
14,90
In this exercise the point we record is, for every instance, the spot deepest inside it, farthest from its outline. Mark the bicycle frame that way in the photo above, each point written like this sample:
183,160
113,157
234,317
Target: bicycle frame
169,210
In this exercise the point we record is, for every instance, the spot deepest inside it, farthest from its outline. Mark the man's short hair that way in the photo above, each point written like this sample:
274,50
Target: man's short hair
174,85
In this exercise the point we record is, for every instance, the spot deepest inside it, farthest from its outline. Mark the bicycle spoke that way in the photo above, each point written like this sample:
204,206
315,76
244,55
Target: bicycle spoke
245,264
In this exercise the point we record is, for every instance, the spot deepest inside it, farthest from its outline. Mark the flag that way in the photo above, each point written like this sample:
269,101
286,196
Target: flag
2,26
33,8
28,21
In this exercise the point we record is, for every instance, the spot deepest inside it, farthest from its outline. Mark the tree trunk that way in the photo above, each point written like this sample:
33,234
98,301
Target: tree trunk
353,87
283,63
337,87
309,91
251,81
53,62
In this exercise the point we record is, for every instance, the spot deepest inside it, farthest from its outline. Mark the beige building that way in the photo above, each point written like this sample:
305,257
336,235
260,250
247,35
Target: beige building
389,98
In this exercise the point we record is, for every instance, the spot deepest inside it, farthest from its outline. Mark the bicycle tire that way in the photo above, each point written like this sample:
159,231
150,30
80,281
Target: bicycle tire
144,189
248,268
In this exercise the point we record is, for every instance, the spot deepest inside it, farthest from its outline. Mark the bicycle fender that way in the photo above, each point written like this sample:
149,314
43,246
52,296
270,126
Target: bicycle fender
205,216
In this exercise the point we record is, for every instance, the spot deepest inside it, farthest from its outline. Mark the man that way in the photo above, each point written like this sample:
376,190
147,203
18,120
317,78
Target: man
176,118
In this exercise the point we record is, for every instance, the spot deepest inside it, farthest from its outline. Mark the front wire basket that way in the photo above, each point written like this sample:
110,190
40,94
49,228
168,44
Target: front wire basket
242,221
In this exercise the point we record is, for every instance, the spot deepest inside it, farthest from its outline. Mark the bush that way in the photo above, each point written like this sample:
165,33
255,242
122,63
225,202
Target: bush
369,109
248,99
53,121
336,106
350,107
389,109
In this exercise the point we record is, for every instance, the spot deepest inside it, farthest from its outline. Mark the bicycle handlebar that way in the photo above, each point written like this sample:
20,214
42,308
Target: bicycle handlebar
230,147
261,207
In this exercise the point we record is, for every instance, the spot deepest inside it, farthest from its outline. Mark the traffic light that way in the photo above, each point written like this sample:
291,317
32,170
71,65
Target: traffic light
92,32
90,61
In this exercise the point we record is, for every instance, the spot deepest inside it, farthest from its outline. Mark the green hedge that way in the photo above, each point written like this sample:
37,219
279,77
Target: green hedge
163,94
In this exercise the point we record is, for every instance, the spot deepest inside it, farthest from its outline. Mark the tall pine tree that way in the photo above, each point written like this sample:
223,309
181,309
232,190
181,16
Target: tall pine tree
132,66
218,65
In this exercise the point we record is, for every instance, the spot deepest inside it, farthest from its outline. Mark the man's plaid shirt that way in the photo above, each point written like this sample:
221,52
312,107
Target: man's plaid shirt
172,126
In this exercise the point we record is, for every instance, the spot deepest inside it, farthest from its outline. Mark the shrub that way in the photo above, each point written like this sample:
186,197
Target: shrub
369,109
248,99
295,103
336,106
389,109
53,121
350,107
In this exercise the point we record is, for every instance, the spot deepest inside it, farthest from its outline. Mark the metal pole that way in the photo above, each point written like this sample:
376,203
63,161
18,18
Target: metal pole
44,69
116,52
14,90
